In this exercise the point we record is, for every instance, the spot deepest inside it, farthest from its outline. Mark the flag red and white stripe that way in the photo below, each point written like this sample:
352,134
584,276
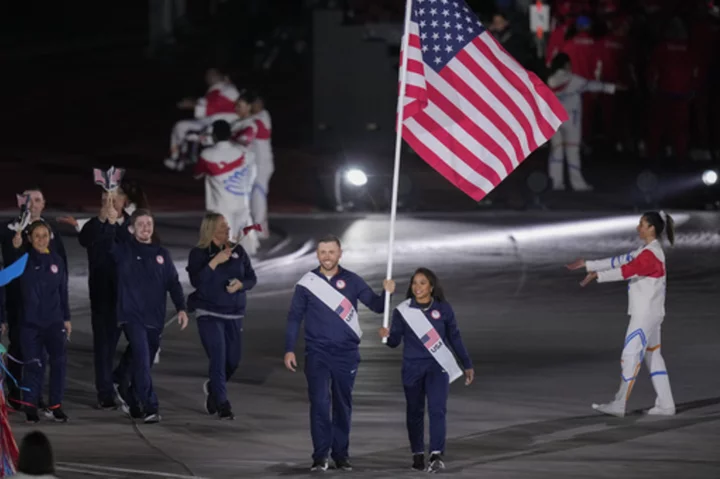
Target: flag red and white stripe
470,110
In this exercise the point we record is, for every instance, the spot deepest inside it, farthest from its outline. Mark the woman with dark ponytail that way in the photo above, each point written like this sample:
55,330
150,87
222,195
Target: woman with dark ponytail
645,271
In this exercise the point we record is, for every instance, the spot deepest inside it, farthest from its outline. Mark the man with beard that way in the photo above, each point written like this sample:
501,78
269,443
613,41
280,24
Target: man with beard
327,298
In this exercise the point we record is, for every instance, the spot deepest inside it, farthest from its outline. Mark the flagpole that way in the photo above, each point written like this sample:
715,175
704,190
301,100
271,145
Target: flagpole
398,148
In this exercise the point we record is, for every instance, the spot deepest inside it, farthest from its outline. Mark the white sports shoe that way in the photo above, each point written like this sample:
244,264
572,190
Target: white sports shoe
612,408
659,411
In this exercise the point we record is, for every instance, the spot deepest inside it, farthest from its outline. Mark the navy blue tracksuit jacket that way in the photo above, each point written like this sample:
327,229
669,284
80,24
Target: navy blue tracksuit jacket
13,295
45,309
102,284
210,294
220,313
423,377
145,275
332,359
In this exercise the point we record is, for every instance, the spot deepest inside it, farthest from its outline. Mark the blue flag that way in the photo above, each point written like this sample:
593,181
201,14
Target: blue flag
13,271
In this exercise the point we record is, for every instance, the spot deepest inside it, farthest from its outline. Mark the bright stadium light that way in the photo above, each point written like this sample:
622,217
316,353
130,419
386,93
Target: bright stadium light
356,177
710,177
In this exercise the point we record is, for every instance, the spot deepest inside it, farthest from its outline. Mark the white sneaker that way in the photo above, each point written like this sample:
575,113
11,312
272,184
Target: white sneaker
659,411
171,164
582,187
612,408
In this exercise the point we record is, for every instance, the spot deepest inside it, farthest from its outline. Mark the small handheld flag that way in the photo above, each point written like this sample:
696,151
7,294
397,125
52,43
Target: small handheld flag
24,220
109,179
245,231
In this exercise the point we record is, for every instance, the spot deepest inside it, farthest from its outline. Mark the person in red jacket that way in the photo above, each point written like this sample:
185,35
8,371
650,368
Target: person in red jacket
617,66
584,53
562,23
671,81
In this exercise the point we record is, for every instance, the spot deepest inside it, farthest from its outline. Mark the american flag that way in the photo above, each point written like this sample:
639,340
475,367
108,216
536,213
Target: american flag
470,110
430,338
109,179
23,200
344,309
115,176
99,177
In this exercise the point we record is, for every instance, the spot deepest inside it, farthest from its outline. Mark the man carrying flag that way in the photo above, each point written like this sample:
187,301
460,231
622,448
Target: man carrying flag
326,298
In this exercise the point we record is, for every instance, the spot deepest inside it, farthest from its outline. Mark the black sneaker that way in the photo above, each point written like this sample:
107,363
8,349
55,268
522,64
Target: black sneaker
135,412
436,463
319,465
152,418
418,462
107,403
343,464
31,416
210,406
58,415
226,412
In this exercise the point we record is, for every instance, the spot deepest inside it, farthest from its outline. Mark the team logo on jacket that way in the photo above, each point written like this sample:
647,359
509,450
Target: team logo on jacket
435,314
340,284
54,268
235,255
236,183
160,259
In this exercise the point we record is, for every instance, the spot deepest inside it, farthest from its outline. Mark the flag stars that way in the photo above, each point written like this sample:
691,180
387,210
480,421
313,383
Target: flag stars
434,24
446,25
435,36
438,60
445,12
459,26
448,37
422,23
457,15
448,49
424,48
433,11
436,48
460,38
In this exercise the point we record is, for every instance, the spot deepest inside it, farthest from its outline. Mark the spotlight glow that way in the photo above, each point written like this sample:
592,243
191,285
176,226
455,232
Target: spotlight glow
356,177
710,177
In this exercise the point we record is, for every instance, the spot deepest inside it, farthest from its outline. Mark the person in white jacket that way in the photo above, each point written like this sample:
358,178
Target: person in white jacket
254,130
217,104
645,271
229,170
565,144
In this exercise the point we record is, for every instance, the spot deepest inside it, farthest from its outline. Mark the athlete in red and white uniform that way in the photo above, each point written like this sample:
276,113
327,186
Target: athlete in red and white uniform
644,269
254,129
229,170
217,104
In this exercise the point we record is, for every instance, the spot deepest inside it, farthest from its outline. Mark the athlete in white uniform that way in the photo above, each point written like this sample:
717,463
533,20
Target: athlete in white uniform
645,271
229,170
565,144
217,104
254,129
